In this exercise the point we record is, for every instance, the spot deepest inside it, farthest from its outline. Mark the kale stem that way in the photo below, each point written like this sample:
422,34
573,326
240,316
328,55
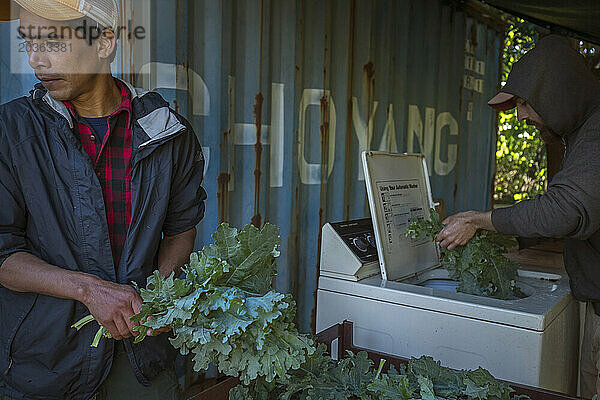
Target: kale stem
83,321
98,336
381,362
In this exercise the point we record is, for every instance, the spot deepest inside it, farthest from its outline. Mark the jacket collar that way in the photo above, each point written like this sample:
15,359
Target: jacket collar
148,109
124,106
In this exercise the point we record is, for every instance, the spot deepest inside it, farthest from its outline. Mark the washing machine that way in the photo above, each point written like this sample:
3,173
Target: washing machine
402,301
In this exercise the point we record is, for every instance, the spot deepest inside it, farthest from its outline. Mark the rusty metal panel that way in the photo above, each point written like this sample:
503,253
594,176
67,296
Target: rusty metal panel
285,94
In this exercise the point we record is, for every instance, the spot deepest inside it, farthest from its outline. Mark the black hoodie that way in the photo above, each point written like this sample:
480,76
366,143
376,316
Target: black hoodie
555,81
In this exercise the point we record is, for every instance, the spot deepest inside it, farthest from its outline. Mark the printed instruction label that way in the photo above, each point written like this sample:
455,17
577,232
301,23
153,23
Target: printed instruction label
401,202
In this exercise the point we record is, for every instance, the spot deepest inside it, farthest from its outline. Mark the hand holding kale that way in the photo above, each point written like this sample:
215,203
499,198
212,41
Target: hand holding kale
224,311
479,265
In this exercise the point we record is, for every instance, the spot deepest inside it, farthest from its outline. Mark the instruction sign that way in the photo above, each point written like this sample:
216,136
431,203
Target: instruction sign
401,202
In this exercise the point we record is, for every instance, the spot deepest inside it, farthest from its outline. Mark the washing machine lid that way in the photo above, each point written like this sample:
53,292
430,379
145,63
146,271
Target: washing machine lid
398,190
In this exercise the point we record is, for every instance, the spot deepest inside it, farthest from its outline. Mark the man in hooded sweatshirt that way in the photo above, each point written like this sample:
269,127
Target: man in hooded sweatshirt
553,90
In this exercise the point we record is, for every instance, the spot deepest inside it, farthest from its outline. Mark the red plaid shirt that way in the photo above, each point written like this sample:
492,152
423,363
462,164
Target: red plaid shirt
111,159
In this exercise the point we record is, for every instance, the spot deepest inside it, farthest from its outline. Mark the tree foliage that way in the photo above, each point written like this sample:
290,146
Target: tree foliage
521,167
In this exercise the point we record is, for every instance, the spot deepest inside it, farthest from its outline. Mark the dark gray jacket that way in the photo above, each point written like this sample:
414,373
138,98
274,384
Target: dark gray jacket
555,81
51,206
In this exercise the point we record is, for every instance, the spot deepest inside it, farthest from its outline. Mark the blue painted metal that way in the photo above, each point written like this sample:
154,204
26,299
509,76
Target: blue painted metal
337,77
11,85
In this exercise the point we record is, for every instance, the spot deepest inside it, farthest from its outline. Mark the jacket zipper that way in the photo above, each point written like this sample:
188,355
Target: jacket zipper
10,363
12,339
564,142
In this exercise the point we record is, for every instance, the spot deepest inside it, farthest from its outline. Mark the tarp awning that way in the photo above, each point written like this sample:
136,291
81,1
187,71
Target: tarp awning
581,17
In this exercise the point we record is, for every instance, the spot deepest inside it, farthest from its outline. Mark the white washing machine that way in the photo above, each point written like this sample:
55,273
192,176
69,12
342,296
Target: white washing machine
402,302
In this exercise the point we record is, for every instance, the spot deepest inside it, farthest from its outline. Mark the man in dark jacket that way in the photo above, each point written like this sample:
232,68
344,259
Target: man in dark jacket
100,184
553,90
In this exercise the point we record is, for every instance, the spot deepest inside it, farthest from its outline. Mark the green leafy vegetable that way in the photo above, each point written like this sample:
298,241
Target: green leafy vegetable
319,377
479,265
224,311
355,378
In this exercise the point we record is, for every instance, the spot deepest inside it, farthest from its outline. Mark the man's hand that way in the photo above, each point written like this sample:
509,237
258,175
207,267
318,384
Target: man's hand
113,305
174,252
460,228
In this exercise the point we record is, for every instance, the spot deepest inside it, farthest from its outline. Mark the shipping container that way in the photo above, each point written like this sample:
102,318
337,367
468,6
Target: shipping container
285,94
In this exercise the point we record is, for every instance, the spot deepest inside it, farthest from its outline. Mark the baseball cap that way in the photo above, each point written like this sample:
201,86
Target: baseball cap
105,12
503,101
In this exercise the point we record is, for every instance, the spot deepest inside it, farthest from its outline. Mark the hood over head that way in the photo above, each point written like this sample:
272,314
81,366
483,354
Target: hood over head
555,81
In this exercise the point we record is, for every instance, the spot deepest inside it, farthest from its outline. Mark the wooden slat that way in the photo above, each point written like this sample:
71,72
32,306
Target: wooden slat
220,391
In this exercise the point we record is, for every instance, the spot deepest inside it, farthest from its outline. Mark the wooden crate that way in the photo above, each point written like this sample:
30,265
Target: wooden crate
344,334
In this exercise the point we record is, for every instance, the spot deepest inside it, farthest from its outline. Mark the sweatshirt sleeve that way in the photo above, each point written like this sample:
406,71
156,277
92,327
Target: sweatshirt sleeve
570,207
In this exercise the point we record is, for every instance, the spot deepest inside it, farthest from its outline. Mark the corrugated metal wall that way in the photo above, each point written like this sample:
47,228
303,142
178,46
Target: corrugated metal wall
318,82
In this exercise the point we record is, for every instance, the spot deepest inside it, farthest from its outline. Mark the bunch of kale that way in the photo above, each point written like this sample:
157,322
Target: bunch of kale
353,377
480,265
224,311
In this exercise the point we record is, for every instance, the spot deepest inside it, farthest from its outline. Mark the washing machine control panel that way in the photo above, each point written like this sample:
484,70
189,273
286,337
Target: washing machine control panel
359,237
